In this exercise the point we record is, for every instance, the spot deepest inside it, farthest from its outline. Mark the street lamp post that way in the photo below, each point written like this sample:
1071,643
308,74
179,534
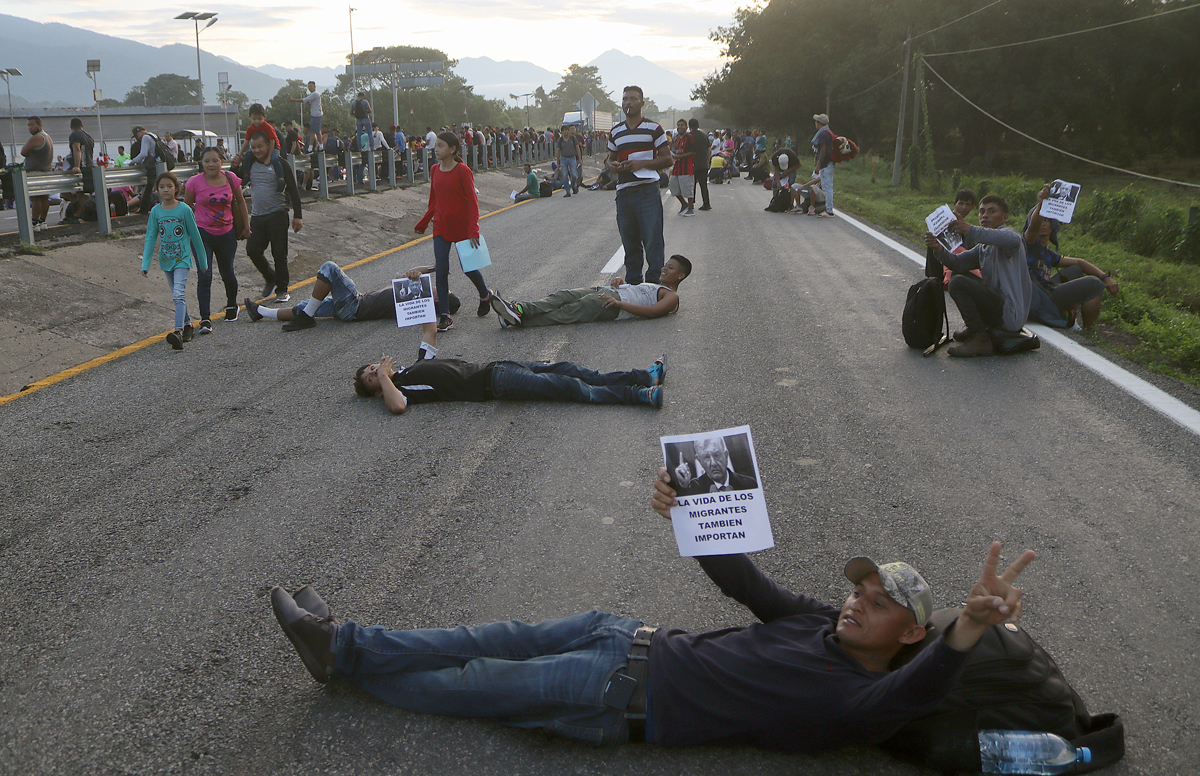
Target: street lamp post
93,67
527,95
7,73
196,19
223,87
353,71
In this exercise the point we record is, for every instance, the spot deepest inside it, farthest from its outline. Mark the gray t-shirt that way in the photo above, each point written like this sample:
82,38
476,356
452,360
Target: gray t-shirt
567,146
313,99
265,199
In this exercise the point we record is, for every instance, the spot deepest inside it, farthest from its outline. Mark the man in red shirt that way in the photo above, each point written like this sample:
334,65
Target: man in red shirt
683,176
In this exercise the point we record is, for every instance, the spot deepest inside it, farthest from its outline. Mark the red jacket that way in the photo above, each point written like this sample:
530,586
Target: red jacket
453,204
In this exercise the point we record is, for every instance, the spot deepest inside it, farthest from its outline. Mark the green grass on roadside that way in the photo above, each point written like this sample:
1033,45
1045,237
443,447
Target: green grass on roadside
1159,300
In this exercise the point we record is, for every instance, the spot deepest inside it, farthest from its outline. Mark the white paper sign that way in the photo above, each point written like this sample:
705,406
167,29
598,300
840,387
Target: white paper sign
939,226
414,301
1061,203
513,195
720,508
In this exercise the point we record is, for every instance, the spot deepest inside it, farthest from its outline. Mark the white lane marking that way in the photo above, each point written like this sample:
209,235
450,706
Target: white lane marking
1153,397
617,260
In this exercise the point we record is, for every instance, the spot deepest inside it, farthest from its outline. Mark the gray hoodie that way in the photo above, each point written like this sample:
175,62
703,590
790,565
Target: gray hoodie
1000,255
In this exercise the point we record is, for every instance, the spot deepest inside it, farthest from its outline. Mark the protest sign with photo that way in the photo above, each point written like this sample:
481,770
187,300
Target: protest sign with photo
1061,203
939,226
720,508
414,301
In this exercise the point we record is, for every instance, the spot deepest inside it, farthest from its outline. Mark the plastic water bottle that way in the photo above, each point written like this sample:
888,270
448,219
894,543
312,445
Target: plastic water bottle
1022,751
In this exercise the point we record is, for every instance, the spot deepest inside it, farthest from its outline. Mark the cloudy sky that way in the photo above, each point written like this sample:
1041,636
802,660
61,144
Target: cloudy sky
297,33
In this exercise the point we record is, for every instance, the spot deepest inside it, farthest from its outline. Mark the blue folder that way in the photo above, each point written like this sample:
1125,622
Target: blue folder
473,258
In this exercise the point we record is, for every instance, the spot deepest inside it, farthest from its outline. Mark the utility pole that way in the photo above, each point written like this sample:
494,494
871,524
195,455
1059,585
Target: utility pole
900,122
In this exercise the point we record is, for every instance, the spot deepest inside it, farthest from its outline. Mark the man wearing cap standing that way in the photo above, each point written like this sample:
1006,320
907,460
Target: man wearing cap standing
822,144
807,677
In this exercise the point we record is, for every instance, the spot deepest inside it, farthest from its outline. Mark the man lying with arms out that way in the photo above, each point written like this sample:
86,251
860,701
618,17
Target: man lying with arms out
451,379
807,677
614,302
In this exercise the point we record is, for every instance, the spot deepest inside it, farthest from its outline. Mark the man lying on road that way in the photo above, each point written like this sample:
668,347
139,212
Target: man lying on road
335,296
451,379
807,677
613,302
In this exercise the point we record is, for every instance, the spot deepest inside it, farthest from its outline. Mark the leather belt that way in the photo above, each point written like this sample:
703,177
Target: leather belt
637,668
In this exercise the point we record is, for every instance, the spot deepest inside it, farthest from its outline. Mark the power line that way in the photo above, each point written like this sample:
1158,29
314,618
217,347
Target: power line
869,88
956,21
1047,145
1065,34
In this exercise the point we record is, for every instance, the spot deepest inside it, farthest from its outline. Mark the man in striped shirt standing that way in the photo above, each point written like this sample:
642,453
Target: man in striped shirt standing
637,151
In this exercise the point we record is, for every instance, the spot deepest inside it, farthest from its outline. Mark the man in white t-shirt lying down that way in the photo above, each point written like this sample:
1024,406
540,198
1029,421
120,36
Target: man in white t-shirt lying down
614,302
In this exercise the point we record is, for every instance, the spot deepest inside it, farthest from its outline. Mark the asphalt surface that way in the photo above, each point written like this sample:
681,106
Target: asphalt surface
152,502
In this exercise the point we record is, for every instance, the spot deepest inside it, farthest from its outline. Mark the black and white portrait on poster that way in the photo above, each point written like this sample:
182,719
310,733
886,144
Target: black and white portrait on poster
414,301
720,501
1060,205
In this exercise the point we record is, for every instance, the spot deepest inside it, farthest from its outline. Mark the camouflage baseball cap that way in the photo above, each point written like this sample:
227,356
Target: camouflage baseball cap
903,583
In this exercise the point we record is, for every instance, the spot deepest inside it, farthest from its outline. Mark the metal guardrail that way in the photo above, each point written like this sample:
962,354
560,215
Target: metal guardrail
497,155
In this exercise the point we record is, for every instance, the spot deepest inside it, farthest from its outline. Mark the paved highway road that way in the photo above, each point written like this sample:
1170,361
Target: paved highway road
152,502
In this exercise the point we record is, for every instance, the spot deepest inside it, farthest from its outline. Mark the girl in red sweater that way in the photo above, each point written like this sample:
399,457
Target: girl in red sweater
454,210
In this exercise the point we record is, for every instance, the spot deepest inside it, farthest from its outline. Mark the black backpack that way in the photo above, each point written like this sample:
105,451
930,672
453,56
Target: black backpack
1009,683
161,151
924,322
361,109
781,201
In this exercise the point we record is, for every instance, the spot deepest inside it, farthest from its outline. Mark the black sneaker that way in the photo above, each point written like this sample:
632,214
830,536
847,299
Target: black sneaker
231,314
507,311
302,320
252,310
268,289
282,296
310,634
444,323
485,306
205,327
189,333
175,341
704,207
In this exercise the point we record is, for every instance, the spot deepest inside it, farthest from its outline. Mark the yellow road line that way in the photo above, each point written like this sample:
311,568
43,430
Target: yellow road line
45,382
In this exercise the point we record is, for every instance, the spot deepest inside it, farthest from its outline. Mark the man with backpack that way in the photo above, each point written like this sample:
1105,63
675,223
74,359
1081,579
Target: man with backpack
822,144
151,150
810,676
997,301
361,110
273,187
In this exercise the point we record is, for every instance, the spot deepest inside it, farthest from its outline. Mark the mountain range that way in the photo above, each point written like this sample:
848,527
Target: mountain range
53,59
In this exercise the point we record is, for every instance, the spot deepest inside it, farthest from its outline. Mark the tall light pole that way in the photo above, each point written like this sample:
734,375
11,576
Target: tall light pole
223,86
6,73
93,67
353,71
196,19
527,95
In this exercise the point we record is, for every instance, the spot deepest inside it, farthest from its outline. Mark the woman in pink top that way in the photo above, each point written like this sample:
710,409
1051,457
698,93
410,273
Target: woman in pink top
214,196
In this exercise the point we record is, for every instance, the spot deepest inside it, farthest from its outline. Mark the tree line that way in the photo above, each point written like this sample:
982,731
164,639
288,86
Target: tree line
1117,95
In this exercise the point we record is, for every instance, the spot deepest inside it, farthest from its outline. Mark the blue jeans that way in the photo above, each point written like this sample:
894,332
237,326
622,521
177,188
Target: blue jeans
223,247
550,675
640,222
827,186
343,298
364,125
565,381
441,263
570,173
177,282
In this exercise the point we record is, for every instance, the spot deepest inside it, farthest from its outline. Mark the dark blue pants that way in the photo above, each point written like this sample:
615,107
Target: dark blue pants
222,247
640,222
565,381
441,263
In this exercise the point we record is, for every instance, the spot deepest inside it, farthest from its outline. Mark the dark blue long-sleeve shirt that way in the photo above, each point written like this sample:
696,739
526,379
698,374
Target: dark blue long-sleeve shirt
784,683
